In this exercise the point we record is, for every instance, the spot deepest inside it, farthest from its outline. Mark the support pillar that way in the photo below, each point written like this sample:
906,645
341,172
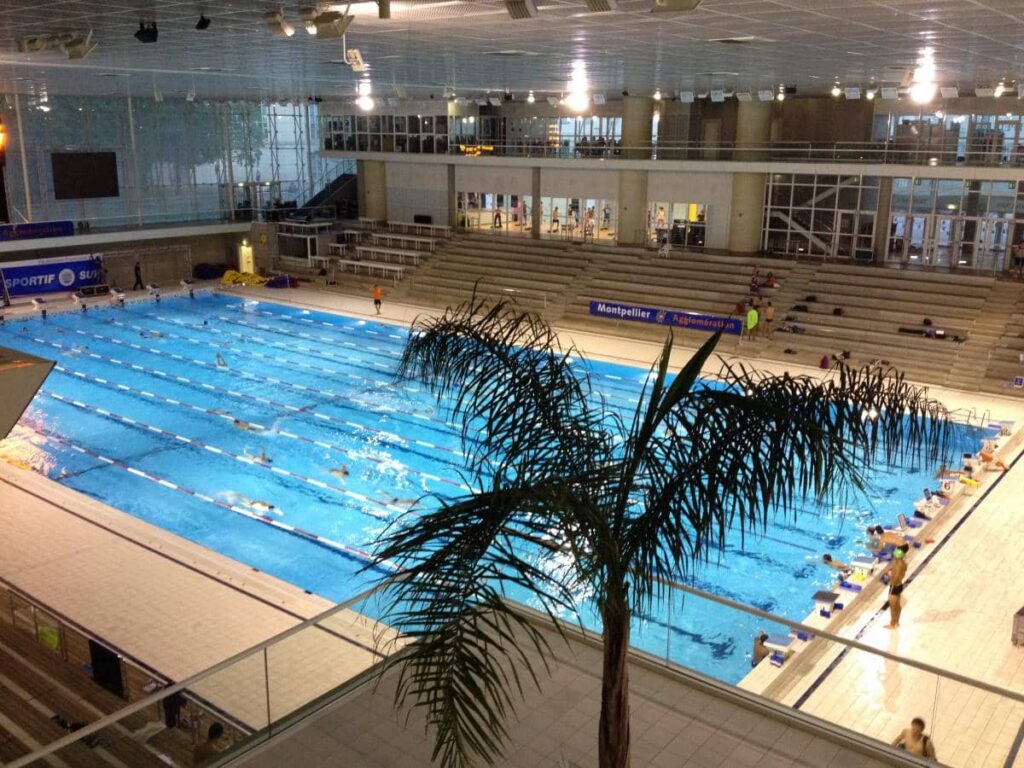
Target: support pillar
371,178
746,211
632,225
637,112
453,199
535,210
880,244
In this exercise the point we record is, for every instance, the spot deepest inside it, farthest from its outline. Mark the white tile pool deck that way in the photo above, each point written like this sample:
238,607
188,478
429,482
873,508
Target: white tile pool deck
181,608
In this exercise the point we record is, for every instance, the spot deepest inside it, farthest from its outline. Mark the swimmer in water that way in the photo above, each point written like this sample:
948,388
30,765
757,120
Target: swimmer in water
221,362
246,426
256,504
341,471
263,458
397,502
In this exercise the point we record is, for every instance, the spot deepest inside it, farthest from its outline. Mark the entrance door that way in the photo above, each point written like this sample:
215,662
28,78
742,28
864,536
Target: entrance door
993,236
946,241
919,240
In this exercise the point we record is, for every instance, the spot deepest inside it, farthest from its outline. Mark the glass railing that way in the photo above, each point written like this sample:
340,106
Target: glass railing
856,674
251,696
894,152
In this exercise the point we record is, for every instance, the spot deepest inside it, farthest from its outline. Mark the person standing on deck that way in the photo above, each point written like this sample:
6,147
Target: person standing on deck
378,297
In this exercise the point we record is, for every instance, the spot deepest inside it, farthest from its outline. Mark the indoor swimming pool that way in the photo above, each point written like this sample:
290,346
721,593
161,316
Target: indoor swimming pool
277,437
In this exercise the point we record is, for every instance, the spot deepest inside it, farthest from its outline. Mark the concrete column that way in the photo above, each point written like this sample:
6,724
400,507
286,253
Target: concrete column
753,126
453,202
535,211
636,127
880,245
746,212
373,189
632,208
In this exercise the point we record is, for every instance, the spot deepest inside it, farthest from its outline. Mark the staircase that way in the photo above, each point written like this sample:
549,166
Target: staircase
339,194
972,362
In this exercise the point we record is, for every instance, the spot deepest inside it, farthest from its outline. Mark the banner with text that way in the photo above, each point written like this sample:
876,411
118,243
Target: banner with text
36,229
692,320
24,278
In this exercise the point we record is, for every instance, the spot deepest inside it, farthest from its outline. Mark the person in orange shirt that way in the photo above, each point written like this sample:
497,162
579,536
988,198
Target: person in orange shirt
378,295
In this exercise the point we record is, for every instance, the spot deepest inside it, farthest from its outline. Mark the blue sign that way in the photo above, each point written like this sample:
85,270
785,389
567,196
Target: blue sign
692,320
48,275
36,229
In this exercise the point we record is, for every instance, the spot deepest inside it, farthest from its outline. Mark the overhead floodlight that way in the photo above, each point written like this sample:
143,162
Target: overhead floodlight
400,91
717,95
985,92
999,90
531,98
890,92
355,60
392,101
78,47
481,102
147,32
949,91
332,24
686,97
674,6
277,24
364,100
553,101
157,96
31,44
601,6
203,23
597,98
870,94
494,101
852,92
765,94
521,9
743,96
657,94
836,91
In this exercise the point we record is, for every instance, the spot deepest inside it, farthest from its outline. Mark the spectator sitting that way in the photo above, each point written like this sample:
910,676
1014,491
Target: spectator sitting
770,281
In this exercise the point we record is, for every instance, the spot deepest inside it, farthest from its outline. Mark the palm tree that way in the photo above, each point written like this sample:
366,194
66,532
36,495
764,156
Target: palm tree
569,497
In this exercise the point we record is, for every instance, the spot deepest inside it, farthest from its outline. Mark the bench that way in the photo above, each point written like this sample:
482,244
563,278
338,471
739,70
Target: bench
388,253
396,271
415,241
419,229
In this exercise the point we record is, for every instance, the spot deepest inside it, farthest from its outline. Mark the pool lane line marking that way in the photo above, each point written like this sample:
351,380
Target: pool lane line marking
230,454
106,528
251,376
1011,757
333,372
363,329
336,546
350,453
390,412
391,437
806,695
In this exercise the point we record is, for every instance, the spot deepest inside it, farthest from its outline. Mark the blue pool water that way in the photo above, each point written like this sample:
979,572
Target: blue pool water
144,422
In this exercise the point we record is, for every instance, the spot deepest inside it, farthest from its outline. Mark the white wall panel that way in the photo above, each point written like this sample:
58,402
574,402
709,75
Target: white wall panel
417,189
579,182
493,179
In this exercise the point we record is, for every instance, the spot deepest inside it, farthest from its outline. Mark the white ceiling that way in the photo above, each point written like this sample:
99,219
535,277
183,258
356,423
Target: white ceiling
474,46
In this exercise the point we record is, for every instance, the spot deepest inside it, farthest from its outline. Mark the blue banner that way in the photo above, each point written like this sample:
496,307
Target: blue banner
25,278
36,229
692,320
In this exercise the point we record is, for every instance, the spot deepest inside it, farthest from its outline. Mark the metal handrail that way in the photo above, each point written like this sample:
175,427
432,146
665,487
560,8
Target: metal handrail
816,632
190,682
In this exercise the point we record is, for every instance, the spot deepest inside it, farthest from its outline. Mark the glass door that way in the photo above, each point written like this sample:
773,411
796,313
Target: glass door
947,240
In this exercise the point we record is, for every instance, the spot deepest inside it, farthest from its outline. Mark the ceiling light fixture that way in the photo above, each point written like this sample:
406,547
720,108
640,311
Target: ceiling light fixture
521,9
602,6
686,97
852,92
530,98
743,96
836,90
675,6
765,94
147,32
999,89
870,95
579,98
332,24
949,91
277,24
364,101
657,94
78,46
203,23
923,88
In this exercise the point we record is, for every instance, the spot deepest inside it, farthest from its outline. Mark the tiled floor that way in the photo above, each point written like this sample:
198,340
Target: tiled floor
675,724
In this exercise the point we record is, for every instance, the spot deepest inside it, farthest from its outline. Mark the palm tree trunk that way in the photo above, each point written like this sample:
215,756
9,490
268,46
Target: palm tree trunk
613,738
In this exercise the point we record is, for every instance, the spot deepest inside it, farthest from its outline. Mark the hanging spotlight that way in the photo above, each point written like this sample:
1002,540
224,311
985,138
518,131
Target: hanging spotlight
657,94
531,98
147,32
781,96
203,23
923,87
869,95
1000,89
836,90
